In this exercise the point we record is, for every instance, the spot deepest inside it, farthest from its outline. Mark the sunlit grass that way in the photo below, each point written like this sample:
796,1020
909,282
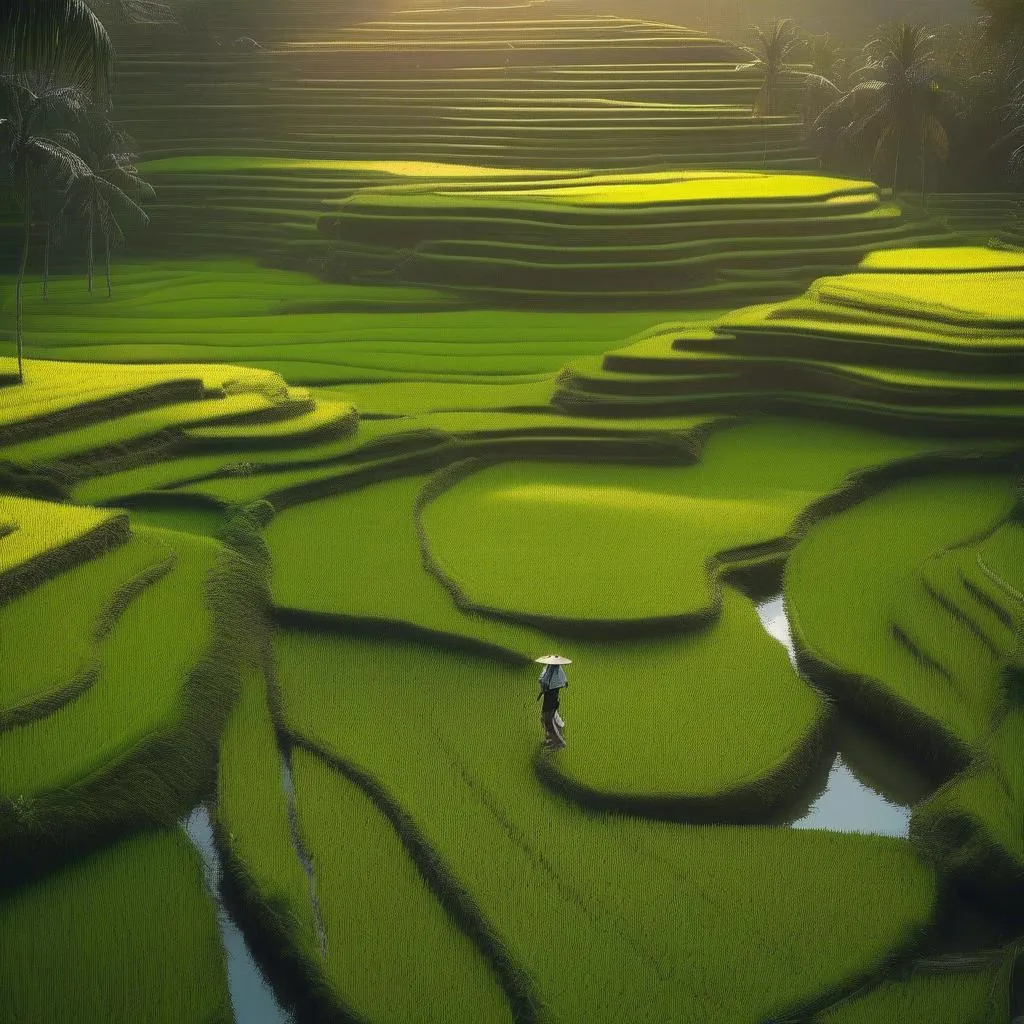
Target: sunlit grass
773,916
629,541
874,621
69,609
46,536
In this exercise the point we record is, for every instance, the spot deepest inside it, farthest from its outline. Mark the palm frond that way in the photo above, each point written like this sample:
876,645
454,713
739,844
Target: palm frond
147,12
62,40
51,156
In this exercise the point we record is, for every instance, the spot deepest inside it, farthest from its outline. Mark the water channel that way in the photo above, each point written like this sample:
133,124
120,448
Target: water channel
252,998
869,789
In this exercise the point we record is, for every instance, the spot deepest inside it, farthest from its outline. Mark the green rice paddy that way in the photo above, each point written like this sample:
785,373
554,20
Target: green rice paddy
460,337
129,927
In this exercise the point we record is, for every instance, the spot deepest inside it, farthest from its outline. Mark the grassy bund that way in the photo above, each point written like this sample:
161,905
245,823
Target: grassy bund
287,544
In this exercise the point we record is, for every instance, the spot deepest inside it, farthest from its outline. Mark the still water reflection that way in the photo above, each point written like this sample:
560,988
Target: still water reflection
252,998
870,788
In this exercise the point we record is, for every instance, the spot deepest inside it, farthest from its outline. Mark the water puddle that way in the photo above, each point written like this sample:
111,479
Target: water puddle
288,784
252,998
870,787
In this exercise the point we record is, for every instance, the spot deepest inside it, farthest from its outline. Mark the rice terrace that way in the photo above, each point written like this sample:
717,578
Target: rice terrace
358,355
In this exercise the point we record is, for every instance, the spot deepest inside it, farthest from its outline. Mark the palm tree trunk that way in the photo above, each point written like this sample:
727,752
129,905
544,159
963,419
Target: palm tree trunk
20,300
106,243
896,162
90,263
46,261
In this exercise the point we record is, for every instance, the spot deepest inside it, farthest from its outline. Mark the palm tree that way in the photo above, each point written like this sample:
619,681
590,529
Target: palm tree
1013,115
772,57
60,42
108,190
36,155
900,104
52,215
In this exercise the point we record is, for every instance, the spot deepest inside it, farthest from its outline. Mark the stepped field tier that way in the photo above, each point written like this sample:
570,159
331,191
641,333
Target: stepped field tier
917,339
658,239
523,85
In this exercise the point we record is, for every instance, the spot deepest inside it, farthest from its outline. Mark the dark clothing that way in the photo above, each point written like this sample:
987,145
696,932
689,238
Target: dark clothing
550,701
552,729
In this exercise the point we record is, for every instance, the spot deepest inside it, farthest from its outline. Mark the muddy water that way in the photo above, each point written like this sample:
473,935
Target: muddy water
252,998
870,788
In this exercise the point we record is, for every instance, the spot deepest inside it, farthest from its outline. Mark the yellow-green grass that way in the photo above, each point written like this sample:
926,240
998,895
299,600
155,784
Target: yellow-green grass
957,259
971,827
150,426
373,545
631,542
136,746
876,633
397,446
619,190
59,394
159,640
219,311
951,996
673,752
623,239
1001,559
394,168
993,299
229,477
405,399
74,611
325,420
355,581
240,464
48,537
126,934
931,349
673,362
377,909
773,917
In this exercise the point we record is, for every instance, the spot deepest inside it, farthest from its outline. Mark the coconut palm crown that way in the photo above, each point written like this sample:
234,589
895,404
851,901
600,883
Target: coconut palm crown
771,57
896,107
60,42
37,154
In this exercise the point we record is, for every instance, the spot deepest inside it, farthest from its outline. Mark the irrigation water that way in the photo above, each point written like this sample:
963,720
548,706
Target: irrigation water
252,998
288,784
870,787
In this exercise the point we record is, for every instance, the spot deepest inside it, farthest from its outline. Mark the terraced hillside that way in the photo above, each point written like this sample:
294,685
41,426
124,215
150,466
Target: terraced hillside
510,237
603,240
352,534
530,85
924,339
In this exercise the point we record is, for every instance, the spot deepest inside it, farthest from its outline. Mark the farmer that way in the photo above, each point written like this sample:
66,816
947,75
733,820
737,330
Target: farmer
552,679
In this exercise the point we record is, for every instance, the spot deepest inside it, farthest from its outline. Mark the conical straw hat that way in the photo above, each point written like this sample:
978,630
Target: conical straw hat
553,659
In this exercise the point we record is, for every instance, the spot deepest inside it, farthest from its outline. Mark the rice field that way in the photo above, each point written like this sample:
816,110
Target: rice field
922,339
126,931
544,875
459,337
893,642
